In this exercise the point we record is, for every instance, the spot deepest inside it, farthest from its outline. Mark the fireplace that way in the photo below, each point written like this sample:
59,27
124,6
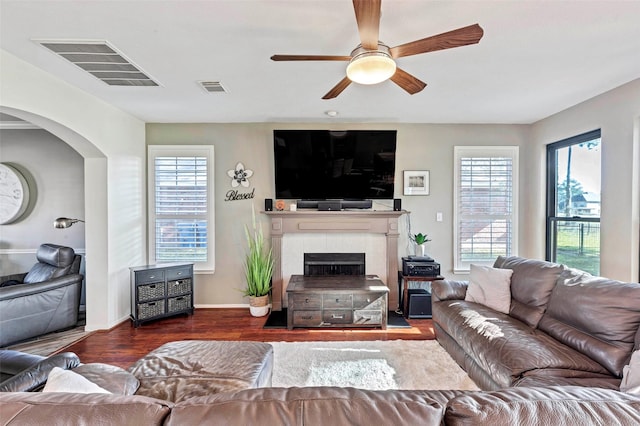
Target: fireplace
322,264
364,226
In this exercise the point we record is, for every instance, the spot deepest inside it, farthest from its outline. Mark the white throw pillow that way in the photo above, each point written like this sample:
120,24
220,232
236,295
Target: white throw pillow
60,380
490,287
631,375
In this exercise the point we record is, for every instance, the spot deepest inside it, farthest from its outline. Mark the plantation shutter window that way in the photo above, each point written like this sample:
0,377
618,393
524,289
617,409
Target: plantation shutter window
485,205
181,205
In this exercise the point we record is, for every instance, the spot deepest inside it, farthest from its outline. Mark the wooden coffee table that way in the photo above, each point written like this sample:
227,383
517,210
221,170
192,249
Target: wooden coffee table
337,301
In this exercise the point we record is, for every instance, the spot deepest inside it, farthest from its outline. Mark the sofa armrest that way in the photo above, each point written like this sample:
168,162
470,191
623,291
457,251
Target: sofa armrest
448,290
35,376
22,290
569,405
13,362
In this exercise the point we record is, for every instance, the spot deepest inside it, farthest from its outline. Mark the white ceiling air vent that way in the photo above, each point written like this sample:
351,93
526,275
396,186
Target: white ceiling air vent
213,86
100,60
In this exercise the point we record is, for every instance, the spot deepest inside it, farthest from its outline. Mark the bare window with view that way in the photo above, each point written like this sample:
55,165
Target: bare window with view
573,202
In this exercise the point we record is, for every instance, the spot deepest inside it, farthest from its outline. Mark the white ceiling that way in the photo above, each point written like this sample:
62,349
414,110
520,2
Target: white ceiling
536,57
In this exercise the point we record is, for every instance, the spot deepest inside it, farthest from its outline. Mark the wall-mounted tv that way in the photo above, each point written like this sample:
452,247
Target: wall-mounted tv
334,164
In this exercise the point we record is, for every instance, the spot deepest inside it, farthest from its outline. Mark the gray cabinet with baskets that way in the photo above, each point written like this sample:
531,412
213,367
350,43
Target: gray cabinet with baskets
159,291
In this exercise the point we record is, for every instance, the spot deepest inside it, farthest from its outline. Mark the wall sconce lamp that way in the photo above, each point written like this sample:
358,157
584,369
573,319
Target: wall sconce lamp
65,222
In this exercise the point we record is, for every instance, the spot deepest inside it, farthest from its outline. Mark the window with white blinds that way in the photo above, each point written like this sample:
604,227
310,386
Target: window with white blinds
181,205
485,197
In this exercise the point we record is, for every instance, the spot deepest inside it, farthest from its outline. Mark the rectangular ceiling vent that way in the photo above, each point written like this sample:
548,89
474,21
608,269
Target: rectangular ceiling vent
100,60
213,86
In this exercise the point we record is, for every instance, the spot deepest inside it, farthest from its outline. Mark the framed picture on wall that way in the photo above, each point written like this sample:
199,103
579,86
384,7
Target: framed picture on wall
416,182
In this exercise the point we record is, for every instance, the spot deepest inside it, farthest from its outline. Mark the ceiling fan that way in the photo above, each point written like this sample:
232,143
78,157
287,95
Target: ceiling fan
373,62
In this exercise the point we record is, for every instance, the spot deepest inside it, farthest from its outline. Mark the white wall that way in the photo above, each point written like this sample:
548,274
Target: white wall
419,147
112,144
617,113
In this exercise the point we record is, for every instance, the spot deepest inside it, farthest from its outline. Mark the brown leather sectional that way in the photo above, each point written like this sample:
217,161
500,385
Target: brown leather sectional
567,405
555,359
564,327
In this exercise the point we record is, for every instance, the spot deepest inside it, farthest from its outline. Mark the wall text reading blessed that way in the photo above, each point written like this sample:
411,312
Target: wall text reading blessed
234,195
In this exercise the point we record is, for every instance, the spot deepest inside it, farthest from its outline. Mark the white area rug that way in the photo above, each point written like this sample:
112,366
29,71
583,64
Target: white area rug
377,365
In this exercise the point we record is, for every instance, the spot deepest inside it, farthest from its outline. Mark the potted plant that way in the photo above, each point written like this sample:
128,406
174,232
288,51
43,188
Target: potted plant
258,267
421,241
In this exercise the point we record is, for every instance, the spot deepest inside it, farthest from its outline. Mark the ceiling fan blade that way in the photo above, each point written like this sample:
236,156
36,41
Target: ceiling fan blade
408,82
309,58
338,88
368,19
456,38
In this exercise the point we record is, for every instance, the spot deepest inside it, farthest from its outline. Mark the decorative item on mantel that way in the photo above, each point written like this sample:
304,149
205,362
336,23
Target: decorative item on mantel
258,270
421,241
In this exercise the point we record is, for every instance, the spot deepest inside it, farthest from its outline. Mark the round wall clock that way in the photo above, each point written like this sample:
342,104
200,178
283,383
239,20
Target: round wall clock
14,194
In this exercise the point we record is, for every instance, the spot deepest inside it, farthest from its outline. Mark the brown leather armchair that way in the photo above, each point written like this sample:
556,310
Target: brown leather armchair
43,300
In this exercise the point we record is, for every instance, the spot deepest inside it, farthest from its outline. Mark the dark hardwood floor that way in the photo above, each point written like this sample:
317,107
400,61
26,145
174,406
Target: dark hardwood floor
124,344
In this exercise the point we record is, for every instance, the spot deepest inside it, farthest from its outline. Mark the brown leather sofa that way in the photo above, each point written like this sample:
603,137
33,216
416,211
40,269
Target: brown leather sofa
569,405
564,327
178,388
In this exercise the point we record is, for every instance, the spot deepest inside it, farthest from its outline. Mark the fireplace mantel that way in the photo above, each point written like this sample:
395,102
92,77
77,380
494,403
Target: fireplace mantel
335,222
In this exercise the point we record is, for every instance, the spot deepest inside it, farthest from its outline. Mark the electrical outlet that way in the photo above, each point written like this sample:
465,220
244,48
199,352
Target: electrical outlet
439,217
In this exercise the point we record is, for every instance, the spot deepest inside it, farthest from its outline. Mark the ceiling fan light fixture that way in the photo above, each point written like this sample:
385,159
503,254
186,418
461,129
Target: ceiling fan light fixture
371,66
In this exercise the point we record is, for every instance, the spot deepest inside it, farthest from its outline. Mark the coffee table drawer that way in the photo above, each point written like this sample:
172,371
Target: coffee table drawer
337,301
307,301
367,317
307,318
337,316
368,301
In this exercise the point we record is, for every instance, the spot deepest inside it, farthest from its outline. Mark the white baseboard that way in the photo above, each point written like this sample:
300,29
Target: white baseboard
222,306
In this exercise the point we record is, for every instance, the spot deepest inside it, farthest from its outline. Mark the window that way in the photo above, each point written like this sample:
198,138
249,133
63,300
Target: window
485,209
181,221
573,202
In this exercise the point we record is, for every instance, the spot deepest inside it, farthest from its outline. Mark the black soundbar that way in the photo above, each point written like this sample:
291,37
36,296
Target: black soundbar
334,204
356,204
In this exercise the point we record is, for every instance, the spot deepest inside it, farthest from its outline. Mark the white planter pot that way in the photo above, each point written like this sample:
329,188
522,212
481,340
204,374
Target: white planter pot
259,311
259,306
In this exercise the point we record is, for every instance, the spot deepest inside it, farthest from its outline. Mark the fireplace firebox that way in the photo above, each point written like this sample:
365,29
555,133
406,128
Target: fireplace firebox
328,264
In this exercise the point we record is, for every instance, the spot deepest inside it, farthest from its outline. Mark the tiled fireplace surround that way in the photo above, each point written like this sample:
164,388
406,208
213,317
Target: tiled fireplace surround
374,233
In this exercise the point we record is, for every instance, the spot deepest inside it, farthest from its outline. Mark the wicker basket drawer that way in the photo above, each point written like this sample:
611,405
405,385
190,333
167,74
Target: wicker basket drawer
179,303
337,301
367,317
341,316
150,309
179,287
150,291
307,318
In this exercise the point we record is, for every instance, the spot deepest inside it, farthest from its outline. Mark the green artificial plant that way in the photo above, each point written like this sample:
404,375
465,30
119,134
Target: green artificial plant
258,262
421,238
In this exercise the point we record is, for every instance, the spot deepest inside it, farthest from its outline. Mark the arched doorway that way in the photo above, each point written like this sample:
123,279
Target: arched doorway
95,182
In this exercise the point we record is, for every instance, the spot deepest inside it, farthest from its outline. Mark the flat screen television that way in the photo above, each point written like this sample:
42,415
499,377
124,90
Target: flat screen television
328,164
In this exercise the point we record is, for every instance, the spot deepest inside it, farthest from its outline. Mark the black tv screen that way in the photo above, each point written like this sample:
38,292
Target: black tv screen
327,164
